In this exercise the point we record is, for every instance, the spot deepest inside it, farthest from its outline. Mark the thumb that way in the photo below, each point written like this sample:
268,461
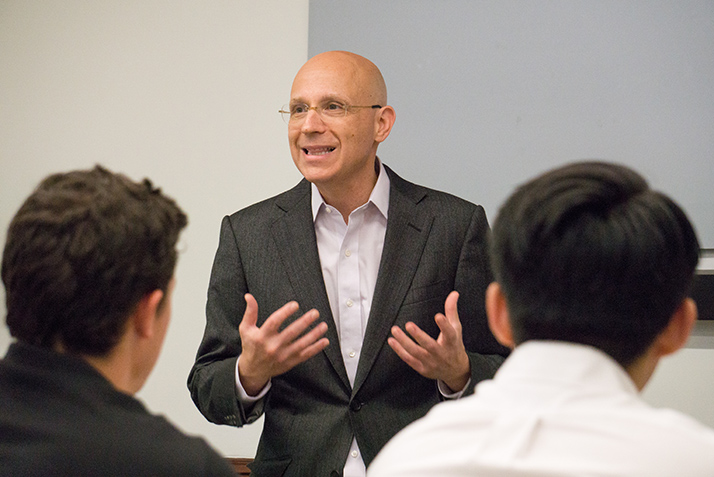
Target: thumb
250,316
451,308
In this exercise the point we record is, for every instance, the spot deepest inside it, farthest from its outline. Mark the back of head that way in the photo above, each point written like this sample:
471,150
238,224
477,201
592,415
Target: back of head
81,252
588,253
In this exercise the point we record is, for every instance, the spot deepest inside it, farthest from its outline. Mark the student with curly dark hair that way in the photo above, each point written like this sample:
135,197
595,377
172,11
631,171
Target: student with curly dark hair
88,268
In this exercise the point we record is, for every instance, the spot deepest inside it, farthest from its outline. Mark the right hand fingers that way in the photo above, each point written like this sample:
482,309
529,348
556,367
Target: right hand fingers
270,330
272,324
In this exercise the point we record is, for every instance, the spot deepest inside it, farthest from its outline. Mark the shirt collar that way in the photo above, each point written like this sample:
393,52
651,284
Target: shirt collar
562,362
379,196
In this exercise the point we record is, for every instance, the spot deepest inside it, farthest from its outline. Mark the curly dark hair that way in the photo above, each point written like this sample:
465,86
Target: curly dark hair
81,252
588,253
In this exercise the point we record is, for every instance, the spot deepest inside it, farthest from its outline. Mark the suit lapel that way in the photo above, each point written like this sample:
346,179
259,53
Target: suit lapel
294,235
407,231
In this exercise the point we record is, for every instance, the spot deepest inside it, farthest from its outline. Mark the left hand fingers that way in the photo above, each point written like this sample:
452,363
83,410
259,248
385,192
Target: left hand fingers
451,309
449,333
443,358
406,349
449,324
423,353
419,345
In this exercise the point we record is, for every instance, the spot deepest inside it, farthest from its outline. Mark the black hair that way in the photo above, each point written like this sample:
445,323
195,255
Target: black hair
588,253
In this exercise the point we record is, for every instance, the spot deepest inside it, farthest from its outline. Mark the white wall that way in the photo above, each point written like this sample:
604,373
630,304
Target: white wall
184,92
685,381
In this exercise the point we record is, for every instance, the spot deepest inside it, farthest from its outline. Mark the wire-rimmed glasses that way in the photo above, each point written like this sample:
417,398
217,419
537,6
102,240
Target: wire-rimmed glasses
296,113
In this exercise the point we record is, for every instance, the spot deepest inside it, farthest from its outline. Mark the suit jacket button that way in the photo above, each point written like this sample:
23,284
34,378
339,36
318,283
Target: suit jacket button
355,406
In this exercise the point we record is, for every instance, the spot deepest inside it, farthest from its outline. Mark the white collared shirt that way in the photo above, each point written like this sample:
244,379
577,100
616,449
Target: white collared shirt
349,256
554,409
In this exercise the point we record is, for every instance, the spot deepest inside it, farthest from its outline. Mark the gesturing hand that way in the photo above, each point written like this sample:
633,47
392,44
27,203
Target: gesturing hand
443,358
267,351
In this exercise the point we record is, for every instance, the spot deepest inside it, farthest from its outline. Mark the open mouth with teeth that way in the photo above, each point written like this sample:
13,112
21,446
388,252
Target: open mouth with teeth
317,151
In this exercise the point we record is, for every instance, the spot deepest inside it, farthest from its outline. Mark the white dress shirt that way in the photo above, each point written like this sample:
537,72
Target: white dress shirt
349,256
553,409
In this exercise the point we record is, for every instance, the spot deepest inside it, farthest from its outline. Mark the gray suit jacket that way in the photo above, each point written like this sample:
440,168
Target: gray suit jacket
435,243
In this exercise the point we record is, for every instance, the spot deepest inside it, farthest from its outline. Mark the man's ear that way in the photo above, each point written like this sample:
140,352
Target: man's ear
144,316
498,318
384,122
677,332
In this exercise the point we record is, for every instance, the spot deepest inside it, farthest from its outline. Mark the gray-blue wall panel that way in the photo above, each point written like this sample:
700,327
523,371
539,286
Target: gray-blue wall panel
489,93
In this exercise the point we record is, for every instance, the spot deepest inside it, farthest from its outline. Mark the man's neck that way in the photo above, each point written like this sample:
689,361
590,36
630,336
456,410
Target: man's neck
347,199
642,368
115,367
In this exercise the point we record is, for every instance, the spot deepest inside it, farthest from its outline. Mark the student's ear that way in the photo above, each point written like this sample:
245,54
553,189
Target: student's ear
144,316
677,332
498,317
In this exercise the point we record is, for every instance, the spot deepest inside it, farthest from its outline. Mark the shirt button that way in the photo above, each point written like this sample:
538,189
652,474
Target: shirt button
348,253
352,354
354,454
350,303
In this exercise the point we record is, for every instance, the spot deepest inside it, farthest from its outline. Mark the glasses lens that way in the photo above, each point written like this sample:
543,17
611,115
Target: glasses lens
285,113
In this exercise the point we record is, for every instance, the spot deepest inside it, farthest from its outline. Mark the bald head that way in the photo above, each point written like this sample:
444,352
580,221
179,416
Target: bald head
345,117
360,75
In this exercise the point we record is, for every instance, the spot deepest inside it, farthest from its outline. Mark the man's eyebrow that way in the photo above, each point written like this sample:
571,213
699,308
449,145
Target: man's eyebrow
325,99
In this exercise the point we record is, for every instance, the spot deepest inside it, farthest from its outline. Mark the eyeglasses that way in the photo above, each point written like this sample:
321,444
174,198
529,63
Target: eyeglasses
297,113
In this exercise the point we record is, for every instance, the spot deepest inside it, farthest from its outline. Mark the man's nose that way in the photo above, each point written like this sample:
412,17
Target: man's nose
313,120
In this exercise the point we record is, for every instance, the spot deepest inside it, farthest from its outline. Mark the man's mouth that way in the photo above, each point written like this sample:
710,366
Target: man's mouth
317,151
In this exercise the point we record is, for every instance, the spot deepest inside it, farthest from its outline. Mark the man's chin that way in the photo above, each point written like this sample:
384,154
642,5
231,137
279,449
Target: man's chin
315,173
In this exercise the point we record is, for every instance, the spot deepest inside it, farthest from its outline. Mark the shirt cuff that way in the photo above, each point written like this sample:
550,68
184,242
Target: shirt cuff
447,392
243,396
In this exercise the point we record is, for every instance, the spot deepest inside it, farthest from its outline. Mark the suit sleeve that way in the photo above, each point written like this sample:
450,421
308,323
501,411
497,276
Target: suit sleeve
212,378
472,278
